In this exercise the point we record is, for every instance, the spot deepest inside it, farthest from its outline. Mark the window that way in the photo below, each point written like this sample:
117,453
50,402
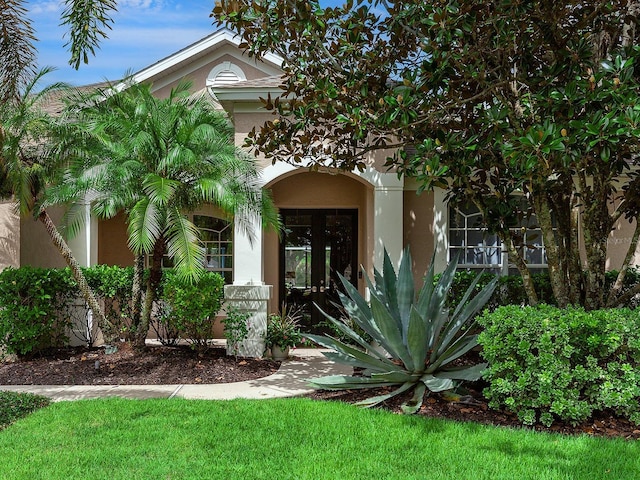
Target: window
479,249
216,235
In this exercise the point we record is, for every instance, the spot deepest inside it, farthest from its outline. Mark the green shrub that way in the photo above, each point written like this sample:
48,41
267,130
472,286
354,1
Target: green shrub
236,328
35,302
191,308
547,363
510,290
15,405
631,279
113,285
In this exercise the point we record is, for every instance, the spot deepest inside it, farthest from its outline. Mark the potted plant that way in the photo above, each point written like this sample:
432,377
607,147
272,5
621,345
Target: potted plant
283,332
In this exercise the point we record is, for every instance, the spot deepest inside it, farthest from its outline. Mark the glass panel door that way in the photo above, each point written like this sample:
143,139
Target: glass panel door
316,247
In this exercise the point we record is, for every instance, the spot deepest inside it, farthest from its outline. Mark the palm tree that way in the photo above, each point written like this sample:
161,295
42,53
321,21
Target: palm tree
28,165
157,159
88,23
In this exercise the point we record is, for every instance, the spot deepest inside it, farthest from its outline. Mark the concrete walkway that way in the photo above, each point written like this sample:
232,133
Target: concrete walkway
289,381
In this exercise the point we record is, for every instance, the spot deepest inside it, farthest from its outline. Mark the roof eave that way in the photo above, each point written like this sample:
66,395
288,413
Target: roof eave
245,94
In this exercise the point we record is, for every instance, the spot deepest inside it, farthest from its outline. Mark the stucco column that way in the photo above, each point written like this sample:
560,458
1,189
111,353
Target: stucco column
84,244
248,292
440,230
388,218
247,255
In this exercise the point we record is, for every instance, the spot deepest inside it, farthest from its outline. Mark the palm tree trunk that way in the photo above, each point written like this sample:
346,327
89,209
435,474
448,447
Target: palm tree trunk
136,293
67,254
153,283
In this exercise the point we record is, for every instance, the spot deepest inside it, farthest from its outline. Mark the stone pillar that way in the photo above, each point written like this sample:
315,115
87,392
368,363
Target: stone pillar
254,300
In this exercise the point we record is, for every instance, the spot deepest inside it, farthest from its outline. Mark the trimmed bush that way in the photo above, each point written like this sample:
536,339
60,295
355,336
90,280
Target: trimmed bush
191,308
547,363
15,405
33,305
113,285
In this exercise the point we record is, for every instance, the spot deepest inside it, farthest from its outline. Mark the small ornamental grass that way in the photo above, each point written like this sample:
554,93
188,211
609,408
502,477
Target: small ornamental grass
282,328
419,334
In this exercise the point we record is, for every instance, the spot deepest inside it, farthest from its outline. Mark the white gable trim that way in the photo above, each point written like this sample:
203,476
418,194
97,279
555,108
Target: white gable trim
217,38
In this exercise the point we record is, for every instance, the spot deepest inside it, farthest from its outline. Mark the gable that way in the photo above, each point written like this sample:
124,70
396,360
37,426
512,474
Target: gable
214,60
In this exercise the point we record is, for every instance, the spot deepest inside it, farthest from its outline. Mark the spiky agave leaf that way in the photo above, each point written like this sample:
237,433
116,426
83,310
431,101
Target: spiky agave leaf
418,333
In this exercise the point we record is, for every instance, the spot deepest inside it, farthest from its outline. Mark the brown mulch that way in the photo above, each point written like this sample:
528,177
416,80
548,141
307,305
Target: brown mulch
473,408
154,366
182,365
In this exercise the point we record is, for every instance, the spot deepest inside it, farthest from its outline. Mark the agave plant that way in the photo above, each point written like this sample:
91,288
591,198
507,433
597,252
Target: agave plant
418,333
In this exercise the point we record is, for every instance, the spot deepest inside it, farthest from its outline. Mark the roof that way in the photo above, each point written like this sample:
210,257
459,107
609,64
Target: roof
195,51
274,81
250,90
53,102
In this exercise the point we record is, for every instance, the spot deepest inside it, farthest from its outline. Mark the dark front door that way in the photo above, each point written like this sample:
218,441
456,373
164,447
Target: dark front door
317,245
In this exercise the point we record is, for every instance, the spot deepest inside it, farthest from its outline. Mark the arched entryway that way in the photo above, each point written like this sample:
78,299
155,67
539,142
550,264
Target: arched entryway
327,231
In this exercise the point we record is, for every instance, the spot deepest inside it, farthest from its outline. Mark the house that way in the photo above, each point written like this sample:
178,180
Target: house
334,221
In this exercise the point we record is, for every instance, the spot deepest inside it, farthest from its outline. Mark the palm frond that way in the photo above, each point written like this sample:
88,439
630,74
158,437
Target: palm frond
145,226
183,245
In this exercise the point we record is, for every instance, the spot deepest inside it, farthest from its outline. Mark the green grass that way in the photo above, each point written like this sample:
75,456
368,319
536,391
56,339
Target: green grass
288,439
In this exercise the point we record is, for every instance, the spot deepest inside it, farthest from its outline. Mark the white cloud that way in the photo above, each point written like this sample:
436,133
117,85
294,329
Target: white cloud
144,32
135,3
49,6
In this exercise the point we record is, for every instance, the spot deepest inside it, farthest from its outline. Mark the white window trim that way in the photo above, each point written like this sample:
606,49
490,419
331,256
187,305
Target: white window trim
504,266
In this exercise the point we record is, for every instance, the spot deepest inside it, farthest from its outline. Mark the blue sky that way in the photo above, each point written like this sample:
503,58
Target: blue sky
144,32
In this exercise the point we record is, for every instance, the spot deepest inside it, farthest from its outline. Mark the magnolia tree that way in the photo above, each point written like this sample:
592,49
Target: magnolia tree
523,109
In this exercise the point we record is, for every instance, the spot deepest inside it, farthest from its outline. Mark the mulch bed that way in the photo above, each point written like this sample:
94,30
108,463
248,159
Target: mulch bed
181,365
474,408
154,366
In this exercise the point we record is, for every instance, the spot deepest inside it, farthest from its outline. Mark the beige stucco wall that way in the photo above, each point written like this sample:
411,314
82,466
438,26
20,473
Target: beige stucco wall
304,189
618,244
112,242
418,230
243,123
36,248
9,235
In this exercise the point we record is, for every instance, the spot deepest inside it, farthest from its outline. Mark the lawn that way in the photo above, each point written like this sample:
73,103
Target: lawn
288,439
